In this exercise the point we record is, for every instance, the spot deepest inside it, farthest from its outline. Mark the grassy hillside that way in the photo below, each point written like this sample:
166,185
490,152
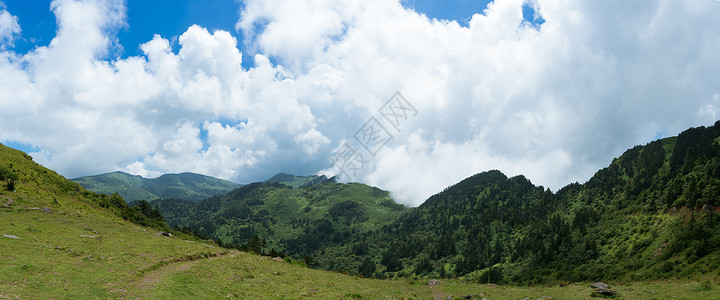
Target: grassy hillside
60,241
188,186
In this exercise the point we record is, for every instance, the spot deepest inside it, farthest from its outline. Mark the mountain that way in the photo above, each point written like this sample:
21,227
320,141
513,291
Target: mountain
187,186
298,181
651,214
467,227
61,241
297,220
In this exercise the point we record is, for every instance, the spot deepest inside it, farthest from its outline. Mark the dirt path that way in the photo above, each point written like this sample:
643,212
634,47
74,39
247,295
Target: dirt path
438,295
10,200
139,287
434,288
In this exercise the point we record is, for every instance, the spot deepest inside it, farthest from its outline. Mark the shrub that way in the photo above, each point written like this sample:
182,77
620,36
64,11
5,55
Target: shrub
9,177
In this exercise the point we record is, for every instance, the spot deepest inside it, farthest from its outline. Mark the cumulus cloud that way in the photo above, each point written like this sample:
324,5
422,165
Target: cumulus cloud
9,28
554,102
90,112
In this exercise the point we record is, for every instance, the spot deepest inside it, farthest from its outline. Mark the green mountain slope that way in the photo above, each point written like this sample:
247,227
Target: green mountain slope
58,239
188,186
61,241
298,221
650,214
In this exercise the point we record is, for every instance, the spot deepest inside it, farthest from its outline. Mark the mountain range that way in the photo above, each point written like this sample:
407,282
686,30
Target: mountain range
60,241
188,186
651,214
185,186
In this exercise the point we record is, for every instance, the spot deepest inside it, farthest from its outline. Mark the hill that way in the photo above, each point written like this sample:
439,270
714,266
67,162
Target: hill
297,220
650,215
59,240
298,181
188,186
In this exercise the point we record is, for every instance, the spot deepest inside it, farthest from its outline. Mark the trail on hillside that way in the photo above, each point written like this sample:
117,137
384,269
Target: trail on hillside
438,295
10,201
139,287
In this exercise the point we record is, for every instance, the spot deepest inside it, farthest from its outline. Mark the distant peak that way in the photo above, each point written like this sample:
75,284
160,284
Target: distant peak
280,177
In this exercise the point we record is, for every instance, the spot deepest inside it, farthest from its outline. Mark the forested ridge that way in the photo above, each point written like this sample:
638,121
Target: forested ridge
132,188
297,221
650,214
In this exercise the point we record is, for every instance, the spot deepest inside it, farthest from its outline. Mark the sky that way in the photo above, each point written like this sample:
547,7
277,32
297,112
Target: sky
409,96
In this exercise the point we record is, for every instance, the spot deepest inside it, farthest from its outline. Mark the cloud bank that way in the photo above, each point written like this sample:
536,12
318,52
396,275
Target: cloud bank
555,101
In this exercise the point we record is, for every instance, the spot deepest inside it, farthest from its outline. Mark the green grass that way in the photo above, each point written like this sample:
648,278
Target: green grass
79,253
82,251
247,276
58,257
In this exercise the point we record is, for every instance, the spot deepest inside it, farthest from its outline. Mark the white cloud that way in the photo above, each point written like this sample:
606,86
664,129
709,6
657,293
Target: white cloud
311,140
426,165
92,113
296,30
554,103
9,28
138,168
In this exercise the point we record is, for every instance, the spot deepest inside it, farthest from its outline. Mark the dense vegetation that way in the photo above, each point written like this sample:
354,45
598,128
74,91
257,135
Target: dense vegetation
188,186
650,214
298,221
8,177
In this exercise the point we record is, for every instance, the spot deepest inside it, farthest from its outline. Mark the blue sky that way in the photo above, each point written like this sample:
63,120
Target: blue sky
244,90
171,18
168,18
459,10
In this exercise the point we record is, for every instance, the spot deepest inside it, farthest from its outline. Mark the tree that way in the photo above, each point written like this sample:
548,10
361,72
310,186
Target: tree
9,177
256,244
309,261
368,268
146,209
391,261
